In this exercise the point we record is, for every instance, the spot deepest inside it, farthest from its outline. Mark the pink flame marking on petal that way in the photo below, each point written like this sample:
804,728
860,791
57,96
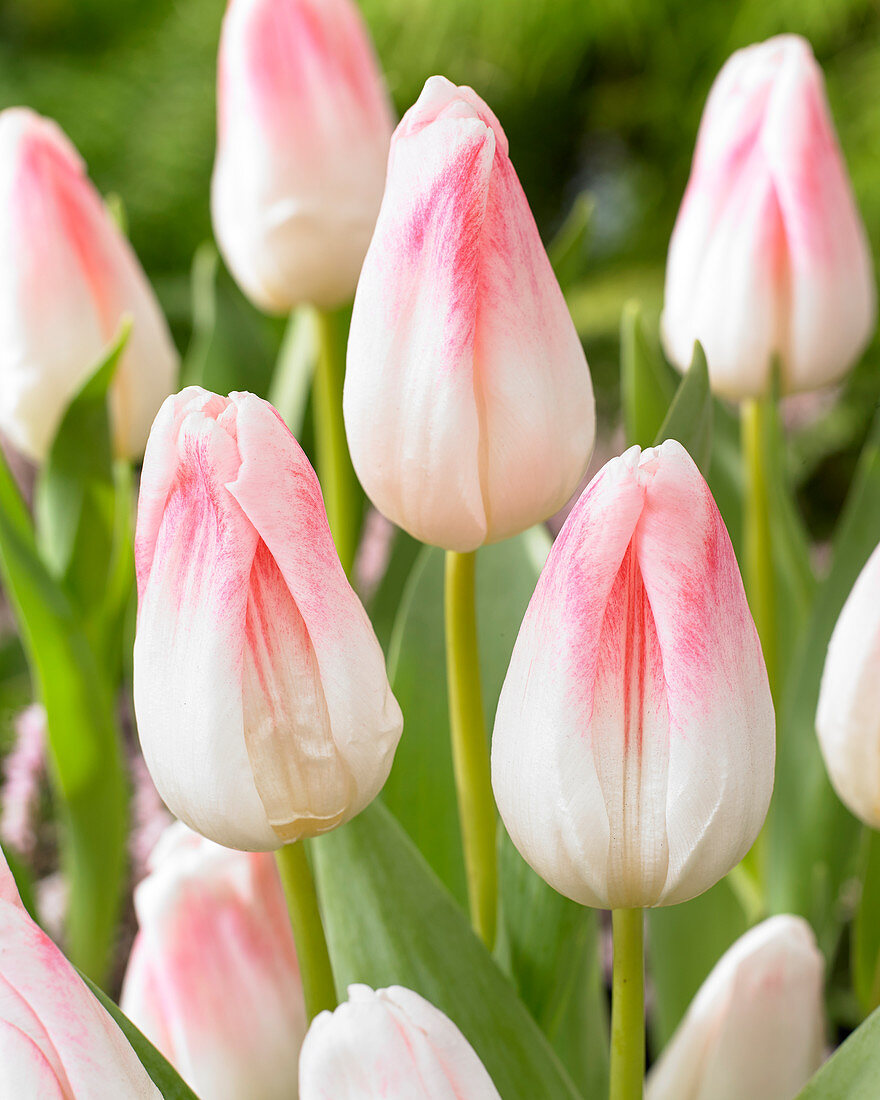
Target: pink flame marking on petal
50,178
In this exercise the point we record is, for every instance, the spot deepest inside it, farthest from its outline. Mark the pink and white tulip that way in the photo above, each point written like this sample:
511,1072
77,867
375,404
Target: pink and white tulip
213,980
755,1030
848,717
390,1044
769,255
67,279
304,124
633,753
468,401
56,1040
260,689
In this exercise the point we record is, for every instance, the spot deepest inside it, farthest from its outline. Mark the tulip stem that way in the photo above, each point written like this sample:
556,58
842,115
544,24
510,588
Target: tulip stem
339,482
757,538
319,988
628,1006
470,745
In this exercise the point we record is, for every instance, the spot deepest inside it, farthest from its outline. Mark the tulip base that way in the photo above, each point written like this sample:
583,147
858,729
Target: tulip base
319,988
470,745
628,1006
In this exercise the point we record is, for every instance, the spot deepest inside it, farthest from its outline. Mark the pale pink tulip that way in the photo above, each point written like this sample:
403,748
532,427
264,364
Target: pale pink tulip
304,123
260,689
213,980
468,401
56,1041
769,255
848,718
755,1030
390,1044
67,279
633,752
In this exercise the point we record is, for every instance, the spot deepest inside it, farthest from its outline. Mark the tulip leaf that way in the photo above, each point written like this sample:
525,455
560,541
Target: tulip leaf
386,601
295,368
421,788
865,945
568,249
75,492
813,840
853,1070
647,384
404,928
163,1075
551,949
84,742
685,941
690,415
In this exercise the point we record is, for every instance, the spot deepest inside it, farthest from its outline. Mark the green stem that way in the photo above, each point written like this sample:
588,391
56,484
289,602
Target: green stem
319,988
335,472
758,545
628,1006
470,745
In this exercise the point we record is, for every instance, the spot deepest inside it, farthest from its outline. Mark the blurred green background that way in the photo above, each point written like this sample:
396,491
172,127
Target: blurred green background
602,96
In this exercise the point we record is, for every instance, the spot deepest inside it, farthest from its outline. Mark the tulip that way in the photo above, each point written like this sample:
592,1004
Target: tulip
56,1040
769,256
67,279
213,979
755,1030
304,123
390,1044
848,717
468,401
632,759
260,689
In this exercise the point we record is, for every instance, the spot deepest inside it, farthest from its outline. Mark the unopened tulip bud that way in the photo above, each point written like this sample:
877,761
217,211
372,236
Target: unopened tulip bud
67,279
390,1044
755,1029
848,717
213,980
303,129
633,752
769,257
260,689
468,401
56,1040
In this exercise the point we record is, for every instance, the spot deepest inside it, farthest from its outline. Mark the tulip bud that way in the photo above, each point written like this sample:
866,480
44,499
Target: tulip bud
755,1029
260,689
848,717
303,129
468,401
769,256
56,1040
67,279
213,980
390,1044
633,752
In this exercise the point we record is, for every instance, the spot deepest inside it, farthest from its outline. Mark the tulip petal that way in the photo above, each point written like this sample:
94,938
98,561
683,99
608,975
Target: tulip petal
311,653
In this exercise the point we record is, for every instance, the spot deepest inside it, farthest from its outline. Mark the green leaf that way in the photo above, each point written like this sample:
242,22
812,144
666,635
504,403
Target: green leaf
551,950
690,415
84,742
163,1075
854,1069
646,383
568,249
75,497
390,921
295,368
813,840
865,956
386,601
685,941
421,788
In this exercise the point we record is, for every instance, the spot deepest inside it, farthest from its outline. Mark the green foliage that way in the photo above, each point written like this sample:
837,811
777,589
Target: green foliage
853,1070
